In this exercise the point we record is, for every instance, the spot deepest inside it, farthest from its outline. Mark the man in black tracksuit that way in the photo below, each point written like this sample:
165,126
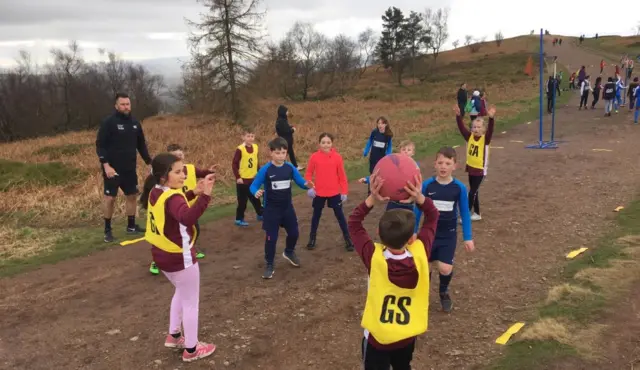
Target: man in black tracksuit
285,131
462,98
553,87
119,137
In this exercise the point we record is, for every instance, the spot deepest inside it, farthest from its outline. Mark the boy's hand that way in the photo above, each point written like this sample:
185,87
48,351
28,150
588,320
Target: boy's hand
363,180
469,246
309,184
207,184
415,191
456,110
213,168
375,184
492,111
239,181
259,193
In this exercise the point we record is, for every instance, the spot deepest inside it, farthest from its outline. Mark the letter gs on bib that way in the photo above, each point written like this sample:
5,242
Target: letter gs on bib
394,310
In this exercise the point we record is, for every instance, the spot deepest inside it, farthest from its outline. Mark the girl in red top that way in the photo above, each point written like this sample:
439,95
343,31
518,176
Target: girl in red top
331,187
171,232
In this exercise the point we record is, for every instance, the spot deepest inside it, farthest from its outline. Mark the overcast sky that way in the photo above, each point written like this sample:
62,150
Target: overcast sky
145,29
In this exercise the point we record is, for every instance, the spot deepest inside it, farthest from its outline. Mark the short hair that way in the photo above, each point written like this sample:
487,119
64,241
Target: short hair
248,130
447,152
174,147
396,228
406,143
121,95
277,144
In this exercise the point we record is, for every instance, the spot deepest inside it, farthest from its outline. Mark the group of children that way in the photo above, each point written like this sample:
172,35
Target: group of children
177,194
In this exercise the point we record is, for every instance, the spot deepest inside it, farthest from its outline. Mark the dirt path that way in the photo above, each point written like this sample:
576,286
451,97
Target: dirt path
537,205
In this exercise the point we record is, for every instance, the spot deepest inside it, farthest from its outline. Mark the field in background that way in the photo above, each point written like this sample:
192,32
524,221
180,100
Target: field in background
53,183
614,46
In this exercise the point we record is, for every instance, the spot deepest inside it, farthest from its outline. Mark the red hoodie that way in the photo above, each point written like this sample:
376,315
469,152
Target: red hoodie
328,170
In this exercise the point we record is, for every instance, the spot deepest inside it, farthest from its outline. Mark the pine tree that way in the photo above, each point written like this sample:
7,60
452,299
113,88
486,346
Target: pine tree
393,45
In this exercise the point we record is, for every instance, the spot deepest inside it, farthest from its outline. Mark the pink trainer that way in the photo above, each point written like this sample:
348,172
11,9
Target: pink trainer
202,350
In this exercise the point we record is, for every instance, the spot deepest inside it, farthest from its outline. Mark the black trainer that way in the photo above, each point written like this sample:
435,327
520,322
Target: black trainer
446,302
312,242
349,245
268,272
292,258
108,237
136,230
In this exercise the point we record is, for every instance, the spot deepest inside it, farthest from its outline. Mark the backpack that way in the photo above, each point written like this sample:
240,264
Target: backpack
469,106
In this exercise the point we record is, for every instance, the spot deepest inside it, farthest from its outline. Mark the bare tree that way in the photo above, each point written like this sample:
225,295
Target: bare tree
438,24
638,29
115,69
342,62
499,38
474,47
468,39
64,70
455,44
367,42
230,35
310,46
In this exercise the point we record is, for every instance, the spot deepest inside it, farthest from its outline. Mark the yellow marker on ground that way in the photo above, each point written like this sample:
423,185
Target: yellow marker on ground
516,141
619,208
602,150
504,338
496,147
503,132
575,253
456,146
127,242
528,123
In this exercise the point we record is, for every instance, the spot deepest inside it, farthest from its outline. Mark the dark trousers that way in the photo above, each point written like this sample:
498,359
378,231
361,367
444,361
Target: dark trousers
397,359
474,188
334,203
549,103
584,98
461,106
290,152
273,219
243,194
596,97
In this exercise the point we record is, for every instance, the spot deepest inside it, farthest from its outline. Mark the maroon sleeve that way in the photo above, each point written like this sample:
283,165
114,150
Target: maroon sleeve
463,129
201,174
235,165
489,134
428,231
178,208
190,195
361,240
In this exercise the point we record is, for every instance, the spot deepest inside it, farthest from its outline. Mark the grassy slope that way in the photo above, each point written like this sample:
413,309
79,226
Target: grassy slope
614,46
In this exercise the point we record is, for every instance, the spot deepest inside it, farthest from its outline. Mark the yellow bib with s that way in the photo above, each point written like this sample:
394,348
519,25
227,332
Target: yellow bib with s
248,162
190,182
156,218
391,313
475,152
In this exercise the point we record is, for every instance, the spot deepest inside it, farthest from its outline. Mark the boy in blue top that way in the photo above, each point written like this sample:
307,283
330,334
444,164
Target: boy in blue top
278,211
449,195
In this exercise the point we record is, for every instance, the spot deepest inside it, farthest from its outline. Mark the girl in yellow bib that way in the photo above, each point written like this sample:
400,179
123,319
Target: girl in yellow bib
397,305
171,232
478,141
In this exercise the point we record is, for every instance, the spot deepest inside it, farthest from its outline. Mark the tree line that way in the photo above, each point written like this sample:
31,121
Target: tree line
70,93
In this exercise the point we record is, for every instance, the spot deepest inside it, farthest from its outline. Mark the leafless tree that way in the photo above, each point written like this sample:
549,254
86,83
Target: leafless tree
310,46
455,44
468,39
228,38
638,29
367,42
499,38
438,23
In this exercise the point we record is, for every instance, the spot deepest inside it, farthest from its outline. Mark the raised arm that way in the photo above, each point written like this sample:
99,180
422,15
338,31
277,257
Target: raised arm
417,211
361,240
489,134
464,131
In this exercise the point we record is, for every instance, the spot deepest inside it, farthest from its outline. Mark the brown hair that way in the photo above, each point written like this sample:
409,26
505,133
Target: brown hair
406,143
325,134
387,131
160,167
447,152
396,228
174,147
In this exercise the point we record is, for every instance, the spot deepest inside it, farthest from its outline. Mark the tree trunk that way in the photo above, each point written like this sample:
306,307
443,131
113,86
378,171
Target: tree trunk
235,106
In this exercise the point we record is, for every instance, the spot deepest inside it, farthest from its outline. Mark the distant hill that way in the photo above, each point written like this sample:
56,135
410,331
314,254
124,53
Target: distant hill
169,68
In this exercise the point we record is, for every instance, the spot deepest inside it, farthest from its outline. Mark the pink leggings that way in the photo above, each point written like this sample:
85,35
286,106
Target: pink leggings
185,302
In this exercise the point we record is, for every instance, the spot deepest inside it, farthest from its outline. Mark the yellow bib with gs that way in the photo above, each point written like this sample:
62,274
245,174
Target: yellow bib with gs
475,152
190,182
155,224
248,162
392,313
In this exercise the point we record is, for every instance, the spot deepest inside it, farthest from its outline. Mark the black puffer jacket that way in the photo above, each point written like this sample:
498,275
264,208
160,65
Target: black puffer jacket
283,128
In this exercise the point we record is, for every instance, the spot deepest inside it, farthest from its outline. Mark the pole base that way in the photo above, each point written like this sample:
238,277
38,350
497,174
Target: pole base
544,145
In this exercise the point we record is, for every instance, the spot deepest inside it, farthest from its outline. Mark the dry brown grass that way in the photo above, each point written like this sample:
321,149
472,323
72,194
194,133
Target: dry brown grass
210,140
561,291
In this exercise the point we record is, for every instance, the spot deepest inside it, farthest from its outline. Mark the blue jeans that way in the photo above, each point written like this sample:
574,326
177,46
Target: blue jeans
608,106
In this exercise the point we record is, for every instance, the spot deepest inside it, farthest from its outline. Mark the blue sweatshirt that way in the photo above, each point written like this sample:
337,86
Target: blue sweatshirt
379,145
447,199
277,184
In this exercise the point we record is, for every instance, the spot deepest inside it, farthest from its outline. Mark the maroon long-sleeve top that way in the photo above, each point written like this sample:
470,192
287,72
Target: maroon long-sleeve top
402,269
487,140
178,227
235,164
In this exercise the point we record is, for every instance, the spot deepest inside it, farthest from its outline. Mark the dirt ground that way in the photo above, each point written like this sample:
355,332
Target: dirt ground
537,205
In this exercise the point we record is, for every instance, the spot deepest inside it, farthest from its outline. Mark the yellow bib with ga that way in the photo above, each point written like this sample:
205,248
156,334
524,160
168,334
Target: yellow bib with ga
391,313
475,152
248,162
190,182
155,224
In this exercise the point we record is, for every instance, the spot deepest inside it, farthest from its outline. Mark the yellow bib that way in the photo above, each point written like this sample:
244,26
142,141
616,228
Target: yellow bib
475,152
248,162
155,224
190,182
392,313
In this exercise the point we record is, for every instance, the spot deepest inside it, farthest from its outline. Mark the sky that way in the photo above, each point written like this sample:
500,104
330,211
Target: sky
150,29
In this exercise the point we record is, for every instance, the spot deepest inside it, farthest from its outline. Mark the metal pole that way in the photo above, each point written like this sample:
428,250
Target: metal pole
553,111
624,96
541,82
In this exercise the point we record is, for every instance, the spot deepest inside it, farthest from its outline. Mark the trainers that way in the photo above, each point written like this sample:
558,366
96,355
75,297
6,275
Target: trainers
241,223
268,272
476,217
349,245
154,269
200,255
136,230
171,342
312,242
292,258
202,350
446,302
108,237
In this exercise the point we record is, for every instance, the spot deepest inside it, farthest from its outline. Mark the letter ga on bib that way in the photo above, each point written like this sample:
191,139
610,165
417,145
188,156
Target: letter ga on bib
392,313
155,224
